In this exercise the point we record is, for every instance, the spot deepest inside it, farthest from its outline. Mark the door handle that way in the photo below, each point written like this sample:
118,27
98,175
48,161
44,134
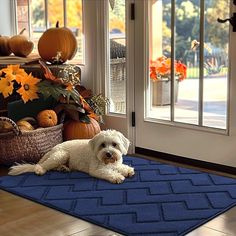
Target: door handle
232,21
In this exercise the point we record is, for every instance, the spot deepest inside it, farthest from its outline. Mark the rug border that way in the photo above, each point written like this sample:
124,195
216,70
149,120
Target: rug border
109,228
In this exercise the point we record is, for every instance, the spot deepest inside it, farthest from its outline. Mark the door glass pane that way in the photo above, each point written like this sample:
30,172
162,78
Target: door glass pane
159,54
187,99
187,19
216,64
117,38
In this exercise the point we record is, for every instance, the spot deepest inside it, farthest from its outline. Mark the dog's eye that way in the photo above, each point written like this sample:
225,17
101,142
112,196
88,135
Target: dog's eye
103,145
114,144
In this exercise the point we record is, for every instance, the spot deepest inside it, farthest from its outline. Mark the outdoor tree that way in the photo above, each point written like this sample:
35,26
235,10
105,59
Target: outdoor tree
216,33
117,16
188,24
55,13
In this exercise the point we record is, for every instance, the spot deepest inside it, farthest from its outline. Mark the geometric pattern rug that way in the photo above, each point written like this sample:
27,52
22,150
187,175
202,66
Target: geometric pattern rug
160,199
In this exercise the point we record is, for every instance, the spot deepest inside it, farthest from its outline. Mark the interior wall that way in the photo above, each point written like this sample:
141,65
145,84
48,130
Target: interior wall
7,26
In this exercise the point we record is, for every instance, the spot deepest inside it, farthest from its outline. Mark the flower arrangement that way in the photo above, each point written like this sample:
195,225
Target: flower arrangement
14,81
160,69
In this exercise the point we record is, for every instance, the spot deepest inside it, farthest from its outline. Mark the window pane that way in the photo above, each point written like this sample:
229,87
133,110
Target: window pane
22,15
216,65
117,36
38,24
74,21
55,13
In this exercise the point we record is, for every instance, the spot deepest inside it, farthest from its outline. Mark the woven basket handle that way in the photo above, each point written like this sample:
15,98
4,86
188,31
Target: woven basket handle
16,129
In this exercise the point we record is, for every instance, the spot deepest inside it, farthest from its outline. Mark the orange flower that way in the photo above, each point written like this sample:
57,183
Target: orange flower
29,89
153,74
15,72
6,86
181,69
161,68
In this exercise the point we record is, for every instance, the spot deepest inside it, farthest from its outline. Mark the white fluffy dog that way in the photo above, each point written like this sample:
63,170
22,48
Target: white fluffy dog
100,157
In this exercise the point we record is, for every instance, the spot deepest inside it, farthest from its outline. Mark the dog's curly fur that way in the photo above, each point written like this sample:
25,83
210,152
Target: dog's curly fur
100,157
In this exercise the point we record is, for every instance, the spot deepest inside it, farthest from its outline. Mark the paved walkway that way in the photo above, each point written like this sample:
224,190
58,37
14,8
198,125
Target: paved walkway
186,108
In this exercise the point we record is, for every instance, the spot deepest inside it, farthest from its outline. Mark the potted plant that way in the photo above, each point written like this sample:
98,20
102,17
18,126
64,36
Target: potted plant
160,74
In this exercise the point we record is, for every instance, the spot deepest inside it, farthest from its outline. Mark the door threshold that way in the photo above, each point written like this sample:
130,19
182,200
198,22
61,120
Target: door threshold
187,161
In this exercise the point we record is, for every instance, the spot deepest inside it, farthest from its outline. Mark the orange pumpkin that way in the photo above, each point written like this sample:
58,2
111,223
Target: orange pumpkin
4,46
47,118
56,42
79,130
20,45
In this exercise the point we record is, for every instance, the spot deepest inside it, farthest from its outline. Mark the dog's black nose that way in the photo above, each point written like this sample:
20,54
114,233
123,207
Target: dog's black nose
108,154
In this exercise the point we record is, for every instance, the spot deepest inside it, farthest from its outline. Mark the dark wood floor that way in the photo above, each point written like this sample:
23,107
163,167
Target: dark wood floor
21,217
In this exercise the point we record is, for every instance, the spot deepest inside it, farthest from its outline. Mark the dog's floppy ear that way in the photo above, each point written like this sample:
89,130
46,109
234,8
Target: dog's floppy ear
125,143
92,142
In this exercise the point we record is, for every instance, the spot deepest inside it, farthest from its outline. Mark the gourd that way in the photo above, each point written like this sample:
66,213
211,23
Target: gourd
24,125
5,126
4,46
80,130
20,45
47,118
57,42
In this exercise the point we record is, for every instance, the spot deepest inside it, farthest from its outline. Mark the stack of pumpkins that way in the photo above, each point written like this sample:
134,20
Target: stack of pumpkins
56,45
53,41
62,39
19,45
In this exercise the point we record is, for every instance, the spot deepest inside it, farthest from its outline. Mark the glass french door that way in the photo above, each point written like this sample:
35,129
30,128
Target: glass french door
184,99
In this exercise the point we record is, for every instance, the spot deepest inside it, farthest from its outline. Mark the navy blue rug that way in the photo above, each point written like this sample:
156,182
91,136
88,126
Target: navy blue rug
160,200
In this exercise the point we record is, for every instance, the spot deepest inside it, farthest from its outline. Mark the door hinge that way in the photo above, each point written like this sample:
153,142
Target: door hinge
132,11
133,119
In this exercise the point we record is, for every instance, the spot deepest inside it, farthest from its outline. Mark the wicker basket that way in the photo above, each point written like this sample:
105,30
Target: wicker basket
27,146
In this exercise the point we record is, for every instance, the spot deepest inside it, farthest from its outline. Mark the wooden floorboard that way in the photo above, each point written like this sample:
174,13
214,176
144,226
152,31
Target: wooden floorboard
21,217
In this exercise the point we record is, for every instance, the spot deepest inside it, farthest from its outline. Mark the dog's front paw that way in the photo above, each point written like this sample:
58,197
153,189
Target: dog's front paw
130,172
126,171
117,179
39,170
63,168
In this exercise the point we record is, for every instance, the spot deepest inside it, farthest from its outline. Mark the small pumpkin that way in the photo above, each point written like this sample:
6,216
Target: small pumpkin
4,46
57,42
20,45
80,130
47,118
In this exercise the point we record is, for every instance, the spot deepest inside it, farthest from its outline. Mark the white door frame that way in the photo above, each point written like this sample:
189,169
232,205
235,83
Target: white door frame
119,122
